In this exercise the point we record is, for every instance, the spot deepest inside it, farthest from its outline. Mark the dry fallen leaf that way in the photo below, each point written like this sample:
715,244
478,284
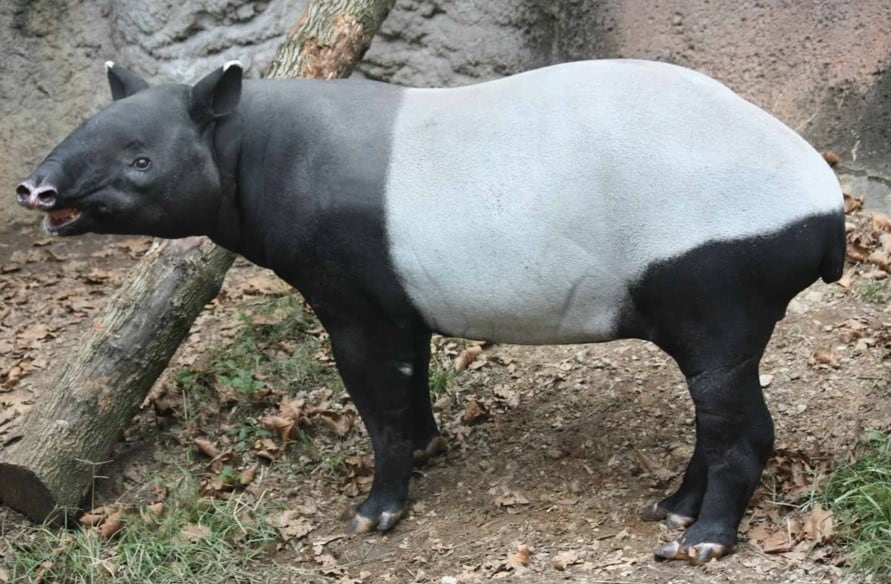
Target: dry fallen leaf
777,542
111,526
91,519
474,412
565,559
654,468
509,396
338,423
292,409
266,285
267,449
881,223
291,525
880,258
846,280
824,357
819,525
798,553
156,508
207,447
279,425
521,557
852,203
215,487
467,357
248,475
758,533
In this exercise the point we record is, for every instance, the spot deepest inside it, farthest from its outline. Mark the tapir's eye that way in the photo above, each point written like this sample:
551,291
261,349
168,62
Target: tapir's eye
141,163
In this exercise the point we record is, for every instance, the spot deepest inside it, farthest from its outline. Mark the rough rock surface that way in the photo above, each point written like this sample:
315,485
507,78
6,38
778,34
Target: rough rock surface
822,67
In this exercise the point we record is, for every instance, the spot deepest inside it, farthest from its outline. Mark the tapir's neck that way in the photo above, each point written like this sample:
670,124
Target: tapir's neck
227,141
309,159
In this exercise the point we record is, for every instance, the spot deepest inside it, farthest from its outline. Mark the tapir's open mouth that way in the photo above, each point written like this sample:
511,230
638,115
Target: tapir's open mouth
59,218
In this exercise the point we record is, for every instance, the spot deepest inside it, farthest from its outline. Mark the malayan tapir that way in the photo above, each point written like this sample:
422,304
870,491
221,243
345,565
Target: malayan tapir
577,203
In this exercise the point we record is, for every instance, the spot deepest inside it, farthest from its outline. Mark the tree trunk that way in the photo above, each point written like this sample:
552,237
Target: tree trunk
49,462
329,39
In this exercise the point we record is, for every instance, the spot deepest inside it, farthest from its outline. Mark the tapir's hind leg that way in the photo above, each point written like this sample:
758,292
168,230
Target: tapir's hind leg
718,348
734,437
426,440
714,309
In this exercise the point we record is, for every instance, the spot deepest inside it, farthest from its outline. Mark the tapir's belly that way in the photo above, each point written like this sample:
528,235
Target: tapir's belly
523,210
516,257
486,274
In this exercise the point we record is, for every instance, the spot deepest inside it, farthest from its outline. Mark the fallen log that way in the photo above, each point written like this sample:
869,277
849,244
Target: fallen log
48,463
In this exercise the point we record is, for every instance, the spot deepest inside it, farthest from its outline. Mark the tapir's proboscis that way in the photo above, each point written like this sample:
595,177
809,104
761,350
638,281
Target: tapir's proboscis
578,203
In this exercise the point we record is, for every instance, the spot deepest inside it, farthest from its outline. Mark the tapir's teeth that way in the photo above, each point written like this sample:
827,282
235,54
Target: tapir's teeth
59,217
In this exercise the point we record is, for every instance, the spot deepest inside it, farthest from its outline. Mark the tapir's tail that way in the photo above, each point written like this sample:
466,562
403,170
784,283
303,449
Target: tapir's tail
833,264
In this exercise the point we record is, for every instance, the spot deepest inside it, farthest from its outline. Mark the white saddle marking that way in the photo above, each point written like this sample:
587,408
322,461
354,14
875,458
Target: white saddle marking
520,210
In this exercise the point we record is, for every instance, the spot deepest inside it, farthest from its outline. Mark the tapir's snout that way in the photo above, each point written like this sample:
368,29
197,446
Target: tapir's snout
40,192
36,196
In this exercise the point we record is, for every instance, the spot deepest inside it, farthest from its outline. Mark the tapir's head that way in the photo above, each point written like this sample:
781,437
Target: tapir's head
143,165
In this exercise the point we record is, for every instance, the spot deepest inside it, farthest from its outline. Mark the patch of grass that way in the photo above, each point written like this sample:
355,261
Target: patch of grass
239,374
275,348
873,291
277,343
248,432
228,475
335,462
194,539
859,494
441,378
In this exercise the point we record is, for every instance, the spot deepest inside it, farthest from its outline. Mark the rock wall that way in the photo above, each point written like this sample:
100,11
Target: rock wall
821,66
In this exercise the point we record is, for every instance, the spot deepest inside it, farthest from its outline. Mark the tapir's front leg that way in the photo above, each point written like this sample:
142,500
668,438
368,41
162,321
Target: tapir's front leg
376,360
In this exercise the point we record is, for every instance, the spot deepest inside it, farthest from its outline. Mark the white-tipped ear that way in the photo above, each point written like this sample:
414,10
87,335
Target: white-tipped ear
123,83
233,63
217,94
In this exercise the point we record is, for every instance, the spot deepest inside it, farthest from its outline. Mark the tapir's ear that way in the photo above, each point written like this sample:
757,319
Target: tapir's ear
123,82
217,94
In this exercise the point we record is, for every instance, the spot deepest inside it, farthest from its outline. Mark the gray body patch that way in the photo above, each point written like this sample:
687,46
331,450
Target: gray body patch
522,210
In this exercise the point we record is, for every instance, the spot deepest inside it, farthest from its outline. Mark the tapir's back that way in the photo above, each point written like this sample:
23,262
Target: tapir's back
549,193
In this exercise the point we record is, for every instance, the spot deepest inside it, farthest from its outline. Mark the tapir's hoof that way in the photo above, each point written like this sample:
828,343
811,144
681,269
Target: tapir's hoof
435,447
669,519
385,522
695,554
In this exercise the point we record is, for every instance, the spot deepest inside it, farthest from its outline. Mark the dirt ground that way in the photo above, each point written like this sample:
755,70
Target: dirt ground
553,451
